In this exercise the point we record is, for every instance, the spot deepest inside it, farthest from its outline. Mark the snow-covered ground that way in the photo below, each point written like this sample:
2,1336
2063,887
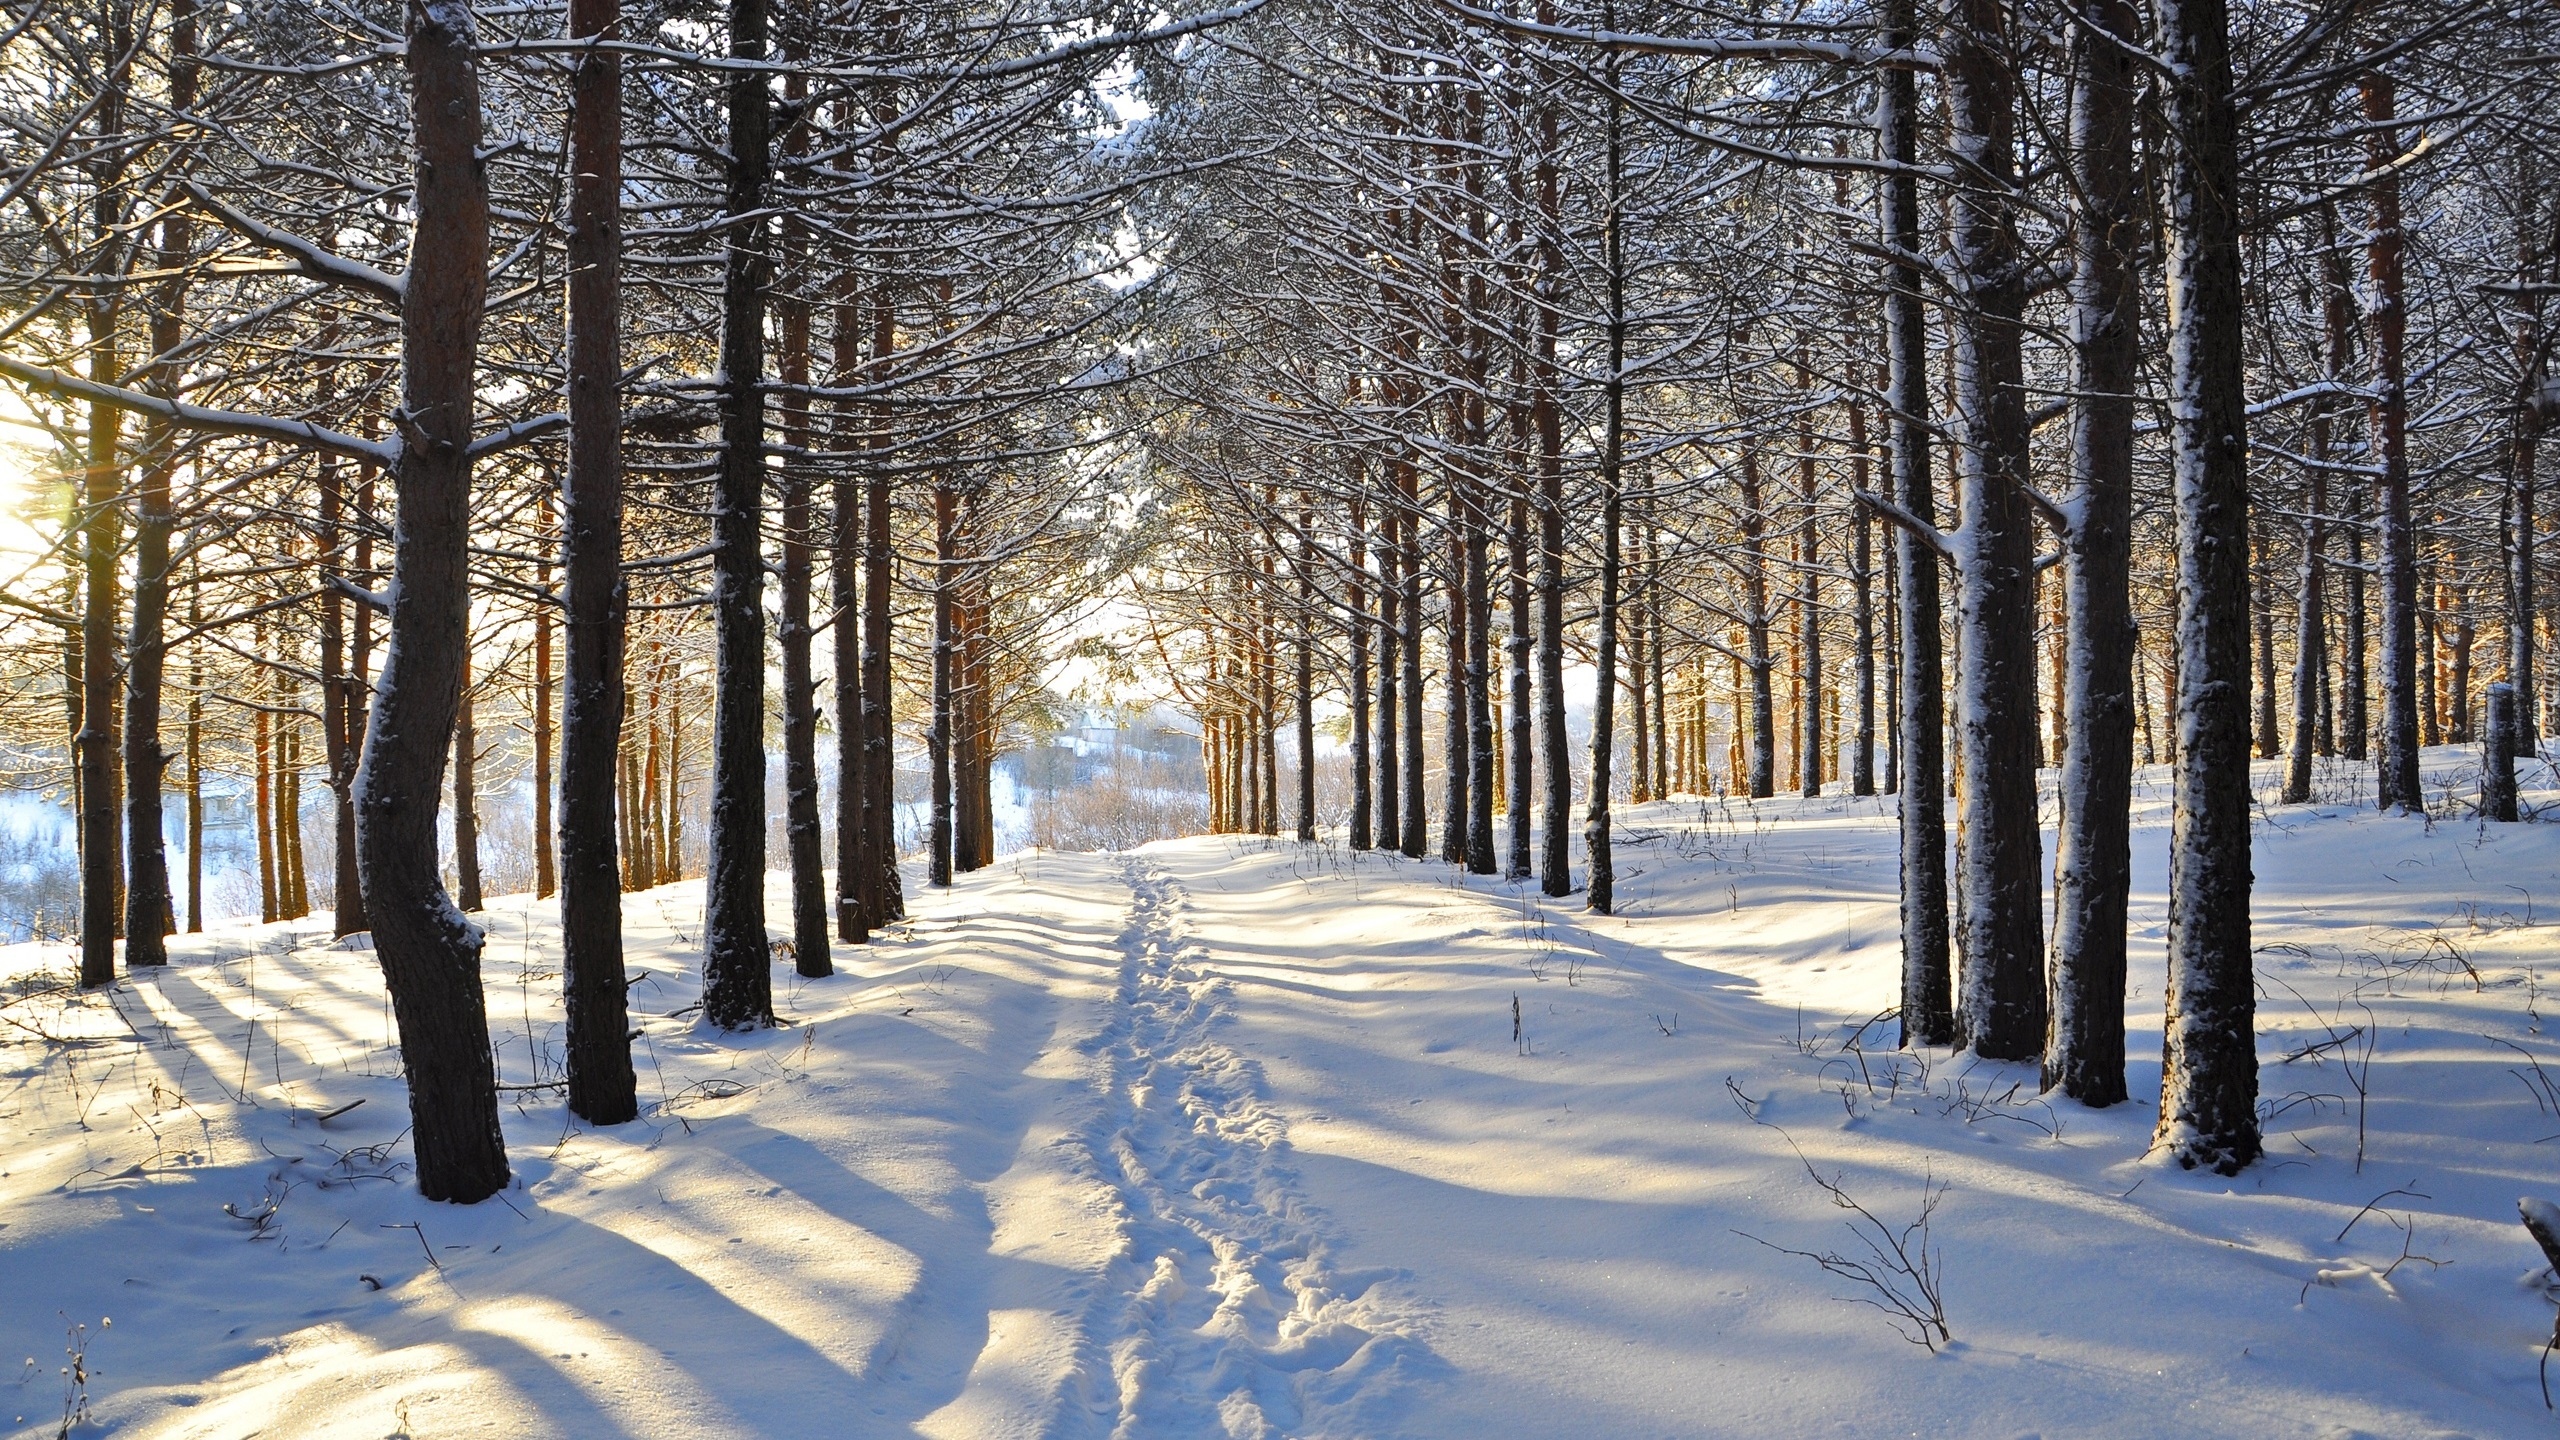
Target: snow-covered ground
1234,1137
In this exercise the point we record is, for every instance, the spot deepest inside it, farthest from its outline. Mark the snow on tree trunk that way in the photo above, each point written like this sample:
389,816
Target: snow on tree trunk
1555,748
1755,628
430,954
737,968
802,834
1417,816
2209,1066
1601,896
2386,316
1480,677
1304,681
1919,757
1390,710
883,894
2498,756
1456,752
1523,733
2084,1053
1355,634
2000,1009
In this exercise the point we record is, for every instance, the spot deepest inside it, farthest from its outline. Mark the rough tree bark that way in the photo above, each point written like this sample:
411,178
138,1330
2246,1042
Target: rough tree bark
802,836
1555,747
466,802
430,955
1601,896
2209,1064
2084,1051
737,967
1355,634
148,912
1919,753
2000,1007
594,600
2396,565
2311,640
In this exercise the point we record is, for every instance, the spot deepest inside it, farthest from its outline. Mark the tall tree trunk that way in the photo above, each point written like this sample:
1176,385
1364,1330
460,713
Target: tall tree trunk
884,896
2084,1053
148,914
195,773
1390,709
1602,894
1306,676
2262,618
1632,646
2311,728
2532,360
1417,815
351,916
336,700
430,954
102,533
1458,692
938,737
1862,591
1763,740
737,969
2396,565
1555,747
2209,1065
2000,1011
844,594
262,753
1481,757
1809,583
546,867
594,600
802,836
1927,994
1355,635
466,802
1523,733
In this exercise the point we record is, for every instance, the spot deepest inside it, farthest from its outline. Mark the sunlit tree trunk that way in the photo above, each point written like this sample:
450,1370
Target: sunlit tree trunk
430,954
2084,1051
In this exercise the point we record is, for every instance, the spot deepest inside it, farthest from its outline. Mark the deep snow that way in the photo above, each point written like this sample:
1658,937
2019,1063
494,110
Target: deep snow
1234,1137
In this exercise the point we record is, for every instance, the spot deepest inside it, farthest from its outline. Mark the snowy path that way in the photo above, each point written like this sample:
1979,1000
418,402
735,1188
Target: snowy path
1235,1138
1231,1317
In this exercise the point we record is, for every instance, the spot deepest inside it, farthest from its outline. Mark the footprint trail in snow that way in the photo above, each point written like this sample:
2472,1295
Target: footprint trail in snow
1227,1314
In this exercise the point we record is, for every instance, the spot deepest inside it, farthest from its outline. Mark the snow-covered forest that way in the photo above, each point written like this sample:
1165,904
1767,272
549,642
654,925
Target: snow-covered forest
1303,717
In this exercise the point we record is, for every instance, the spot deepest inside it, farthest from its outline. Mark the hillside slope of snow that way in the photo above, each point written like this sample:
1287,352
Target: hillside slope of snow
1236,1137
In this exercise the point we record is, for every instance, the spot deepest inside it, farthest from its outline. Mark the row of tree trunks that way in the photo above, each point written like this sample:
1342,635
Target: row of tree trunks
1239,741
651,793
